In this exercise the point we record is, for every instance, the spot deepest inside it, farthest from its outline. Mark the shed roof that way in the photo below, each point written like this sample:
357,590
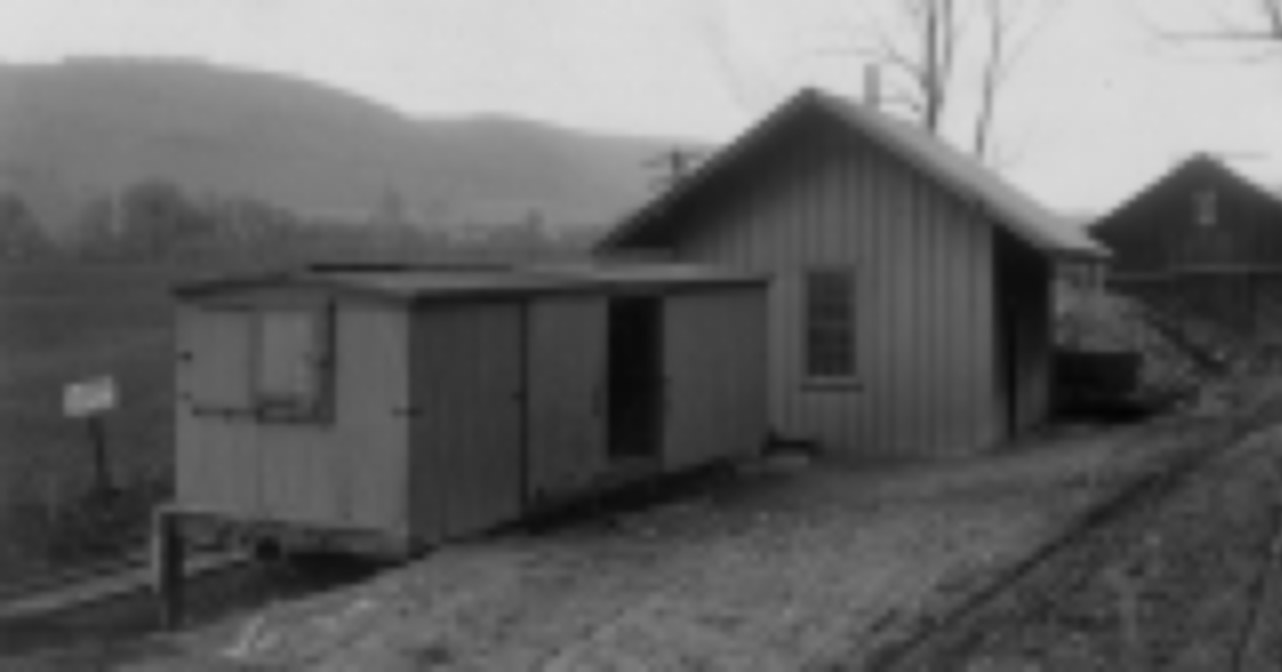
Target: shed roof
412,283
945,165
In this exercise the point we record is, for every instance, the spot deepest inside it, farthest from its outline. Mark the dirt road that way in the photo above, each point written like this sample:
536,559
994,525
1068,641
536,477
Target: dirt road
779,568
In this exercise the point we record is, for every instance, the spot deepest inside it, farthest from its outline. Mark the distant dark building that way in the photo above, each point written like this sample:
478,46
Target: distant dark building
1202,242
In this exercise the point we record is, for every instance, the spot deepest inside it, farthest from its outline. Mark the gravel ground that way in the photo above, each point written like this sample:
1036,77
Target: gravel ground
782,567
1169,586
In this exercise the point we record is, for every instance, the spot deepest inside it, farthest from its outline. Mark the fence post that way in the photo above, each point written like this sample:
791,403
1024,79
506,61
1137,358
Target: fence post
98,443
167,558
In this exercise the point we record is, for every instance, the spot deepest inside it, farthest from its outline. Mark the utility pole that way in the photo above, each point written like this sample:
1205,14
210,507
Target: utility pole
674,166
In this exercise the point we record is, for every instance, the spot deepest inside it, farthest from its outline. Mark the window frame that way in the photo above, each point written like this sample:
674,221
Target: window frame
813,375
317,405
1206,208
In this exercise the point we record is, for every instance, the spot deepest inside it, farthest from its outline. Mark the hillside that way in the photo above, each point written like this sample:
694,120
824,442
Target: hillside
74,130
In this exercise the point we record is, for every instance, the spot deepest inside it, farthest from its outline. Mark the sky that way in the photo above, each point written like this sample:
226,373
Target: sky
1101,103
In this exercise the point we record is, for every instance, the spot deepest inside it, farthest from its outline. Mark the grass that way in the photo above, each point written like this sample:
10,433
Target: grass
58,324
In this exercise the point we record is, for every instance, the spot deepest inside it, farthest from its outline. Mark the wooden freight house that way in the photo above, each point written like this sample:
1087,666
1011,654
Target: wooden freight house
410,407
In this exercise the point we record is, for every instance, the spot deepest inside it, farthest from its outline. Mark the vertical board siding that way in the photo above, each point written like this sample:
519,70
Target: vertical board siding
714,361
346,472
373,372
216,461
466,388
924,261
566,390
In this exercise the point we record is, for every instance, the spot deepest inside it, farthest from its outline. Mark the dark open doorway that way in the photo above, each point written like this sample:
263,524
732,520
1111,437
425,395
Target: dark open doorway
635,361
1022,306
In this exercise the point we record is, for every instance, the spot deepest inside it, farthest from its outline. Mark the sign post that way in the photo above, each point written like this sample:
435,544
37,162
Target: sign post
91,399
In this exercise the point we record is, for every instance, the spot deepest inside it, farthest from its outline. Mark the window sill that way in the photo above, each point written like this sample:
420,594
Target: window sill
832,385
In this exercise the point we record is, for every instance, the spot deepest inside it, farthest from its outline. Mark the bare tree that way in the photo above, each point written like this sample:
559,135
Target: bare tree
926,58
1253,21
748,88
997,67
927,44
1253,28
1271,12
947,62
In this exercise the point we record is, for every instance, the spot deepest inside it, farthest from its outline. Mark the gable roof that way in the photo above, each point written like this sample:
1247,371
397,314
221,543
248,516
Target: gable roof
1200,163
949,168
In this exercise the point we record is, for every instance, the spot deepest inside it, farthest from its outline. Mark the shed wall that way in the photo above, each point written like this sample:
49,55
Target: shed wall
467,462
566,392
216,461
715,366
925,316
346,472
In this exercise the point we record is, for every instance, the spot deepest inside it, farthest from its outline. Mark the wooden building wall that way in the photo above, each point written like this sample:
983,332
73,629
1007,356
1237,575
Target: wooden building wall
346,472
925,316
466,459
1217,279
715,364
448,415
566,393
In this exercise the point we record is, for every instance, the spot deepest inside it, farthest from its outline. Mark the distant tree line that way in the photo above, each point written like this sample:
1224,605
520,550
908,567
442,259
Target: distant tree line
157,221
21,235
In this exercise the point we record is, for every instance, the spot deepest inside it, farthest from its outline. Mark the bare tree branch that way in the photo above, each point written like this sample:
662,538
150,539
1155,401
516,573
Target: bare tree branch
1010,32
995,69
1260,22
711,21
935,46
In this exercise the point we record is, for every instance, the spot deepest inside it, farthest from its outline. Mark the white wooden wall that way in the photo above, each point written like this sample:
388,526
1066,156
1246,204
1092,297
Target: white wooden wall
346,473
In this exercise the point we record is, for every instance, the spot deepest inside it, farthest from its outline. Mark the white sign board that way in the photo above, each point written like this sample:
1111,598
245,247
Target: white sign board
89,397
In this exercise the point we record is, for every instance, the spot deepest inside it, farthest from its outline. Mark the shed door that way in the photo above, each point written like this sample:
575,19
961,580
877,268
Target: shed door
715,356
466,385
566,374
217,465
299,451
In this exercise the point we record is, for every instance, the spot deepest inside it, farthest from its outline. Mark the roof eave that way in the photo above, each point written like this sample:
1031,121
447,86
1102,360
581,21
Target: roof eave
729,154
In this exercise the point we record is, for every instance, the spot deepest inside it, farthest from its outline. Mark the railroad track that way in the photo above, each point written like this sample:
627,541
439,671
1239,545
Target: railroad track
1251,652
1148,490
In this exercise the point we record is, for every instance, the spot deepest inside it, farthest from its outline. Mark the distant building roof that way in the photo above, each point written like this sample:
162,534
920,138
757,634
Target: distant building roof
1201,163
950,168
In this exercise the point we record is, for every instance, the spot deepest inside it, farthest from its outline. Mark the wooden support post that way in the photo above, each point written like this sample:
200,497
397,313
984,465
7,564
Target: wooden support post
168,551
98,442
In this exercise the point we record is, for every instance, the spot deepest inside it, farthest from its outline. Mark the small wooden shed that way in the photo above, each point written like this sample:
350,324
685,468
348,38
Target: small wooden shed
910,301
412,406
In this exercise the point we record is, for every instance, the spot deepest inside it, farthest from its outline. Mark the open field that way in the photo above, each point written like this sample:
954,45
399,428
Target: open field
61,323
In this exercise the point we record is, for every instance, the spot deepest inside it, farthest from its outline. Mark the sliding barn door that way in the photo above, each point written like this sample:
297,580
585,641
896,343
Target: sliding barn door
714,361
466,390
566,383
